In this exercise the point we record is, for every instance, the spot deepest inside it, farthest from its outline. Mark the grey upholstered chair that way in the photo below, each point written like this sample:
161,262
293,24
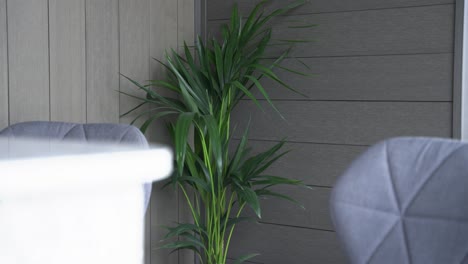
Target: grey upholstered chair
110,133
405,200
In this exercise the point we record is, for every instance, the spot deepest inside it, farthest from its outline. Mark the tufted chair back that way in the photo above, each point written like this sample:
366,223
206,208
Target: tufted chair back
405,200
104,133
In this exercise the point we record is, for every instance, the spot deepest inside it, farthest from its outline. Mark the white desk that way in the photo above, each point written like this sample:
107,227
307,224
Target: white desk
73,203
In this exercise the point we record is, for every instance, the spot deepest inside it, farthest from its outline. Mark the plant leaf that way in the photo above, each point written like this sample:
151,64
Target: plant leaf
250,198
181,133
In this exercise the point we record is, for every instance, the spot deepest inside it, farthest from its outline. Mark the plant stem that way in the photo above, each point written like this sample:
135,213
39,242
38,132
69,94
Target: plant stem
228,241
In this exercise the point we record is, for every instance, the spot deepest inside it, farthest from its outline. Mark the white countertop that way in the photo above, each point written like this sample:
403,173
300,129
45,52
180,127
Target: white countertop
75,203
32,165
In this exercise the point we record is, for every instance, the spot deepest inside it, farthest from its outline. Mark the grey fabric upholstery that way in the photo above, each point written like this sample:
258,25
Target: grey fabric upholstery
405,200
110,133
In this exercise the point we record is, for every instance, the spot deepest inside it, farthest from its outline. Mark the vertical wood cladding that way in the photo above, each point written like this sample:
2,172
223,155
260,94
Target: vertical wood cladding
383,69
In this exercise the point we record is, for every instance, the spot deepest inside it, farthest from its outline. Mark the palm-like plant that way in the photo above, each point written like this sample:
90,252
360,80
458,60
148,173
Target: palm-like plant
208,85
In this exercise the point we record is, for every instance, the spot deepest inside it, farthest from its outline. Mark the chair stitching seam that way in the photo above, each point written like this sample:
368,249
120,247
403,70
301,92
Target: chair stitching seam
384,238
392,184
416,193
367,208
68,132
125,133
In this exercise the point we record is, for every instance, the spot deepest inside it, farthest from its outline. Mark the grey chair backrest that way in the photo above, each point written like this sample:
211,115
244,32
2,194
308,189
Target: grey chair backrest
105,133
405,200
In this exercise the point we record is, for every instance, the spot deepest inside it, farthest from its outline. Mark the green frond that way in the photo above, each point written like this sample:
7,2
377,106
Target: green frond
202,86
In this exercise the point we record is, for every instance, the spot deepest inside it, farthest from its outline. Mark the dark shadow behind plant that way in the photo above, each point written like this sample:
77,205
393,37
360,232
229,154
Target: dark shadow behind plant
208,84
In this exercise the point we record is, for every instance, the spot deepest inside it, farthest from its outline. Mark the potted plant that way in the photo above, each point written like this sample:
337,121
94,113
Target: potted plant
209,82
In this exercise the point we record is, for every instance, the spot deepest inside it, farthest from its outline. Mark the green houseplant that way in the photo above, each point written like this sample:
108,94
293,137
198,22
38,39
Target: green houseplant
208,84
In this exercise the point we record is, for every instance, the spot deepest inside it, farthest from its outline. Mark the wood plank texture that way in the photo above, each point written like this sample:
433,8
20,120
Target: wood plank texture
163,37
222,9
134,53
425,77
102,60
314,164
134,57
186,22
361,123
460,130
28,47
281,244
164,212
3,66
232,261
147,239
67,60
372,32
165,202
382,69
164,34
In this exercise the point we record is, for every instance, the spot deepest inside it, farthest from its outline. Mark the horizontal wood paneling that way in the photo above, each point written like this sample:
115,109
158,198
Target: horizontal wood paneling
314,164
3,66
426,77
280,244
28,57
67,60
232,261
222,9
373,32
361,123
315,213
383,69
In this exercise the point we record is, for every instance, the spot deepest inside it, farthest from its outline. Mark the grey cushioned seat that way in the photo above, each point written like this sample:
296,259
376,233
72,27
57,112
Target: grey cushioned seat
405,200
110,133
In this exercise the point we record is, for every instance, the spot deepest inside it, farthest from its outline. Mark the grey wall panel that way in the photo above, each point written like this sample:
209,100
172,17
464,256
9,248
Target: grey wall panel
372,32
232,261
67,60
134,62
314,164
163,213
3,66
147,239
134,53
360,123
186,22
384,69
222,9
164,205
163,38
282,244
102,60
91,41
164,30
425,77
28,52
